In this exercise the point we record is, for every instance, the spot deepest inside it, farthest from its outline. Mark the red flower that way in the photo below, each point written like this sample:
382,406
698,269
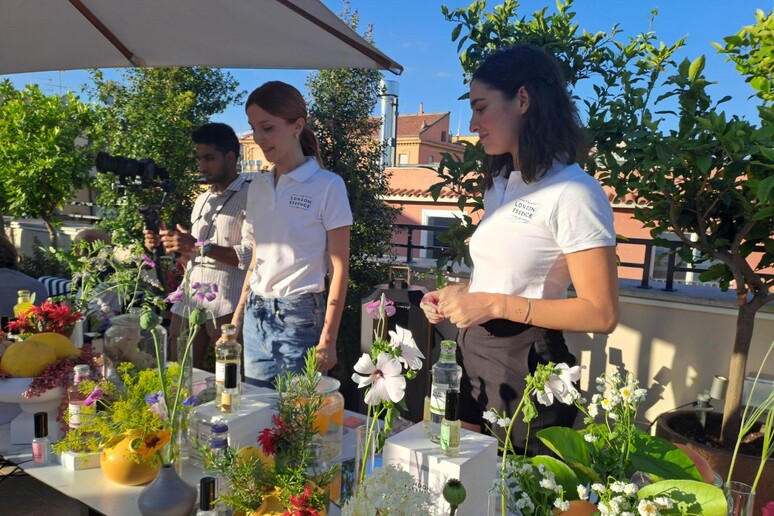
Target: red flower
270,438
300,505
48,317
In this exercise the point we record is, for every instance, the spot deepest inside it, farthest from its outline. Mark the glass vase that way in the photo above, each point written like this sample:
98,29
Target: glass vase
187,366
366,455
741,498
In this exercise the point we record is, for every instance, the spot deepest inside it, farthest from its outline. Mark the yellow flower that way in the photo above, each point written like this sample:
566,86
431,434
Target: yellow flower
150,443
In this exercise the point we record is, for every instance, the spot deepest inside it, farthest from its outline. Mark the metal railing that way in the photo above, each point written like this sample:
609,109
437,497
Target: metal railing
673,268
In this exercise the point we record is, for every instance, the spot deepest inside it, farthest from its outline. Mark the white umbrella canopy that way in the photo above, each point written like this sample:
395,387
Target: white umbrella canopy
40,35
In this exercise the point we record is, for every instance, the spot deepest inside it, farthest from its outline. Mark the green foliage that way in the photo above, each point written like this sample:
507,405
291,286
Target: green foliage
752,50
41,263
46,151
150,114
340,104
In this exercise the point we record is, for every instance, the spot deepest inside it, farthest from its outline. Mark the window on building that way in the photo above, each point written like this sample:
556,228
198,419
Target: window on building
443,136
660,262
431,159
429,238
402,159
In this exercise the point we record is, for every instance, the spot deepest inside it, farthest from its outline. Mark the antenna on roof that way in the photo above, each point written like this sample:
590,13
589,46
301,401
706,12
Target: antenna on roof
459,123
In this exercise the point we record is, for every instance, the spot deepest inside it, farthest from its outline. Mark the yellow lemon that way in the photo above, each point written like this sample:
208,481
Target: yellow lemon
253,452
27,358
58,342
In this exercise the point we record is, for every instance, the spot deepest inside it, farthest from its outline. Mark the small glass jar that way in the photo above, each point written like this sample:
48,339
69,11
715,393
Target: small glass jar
125,341
329,420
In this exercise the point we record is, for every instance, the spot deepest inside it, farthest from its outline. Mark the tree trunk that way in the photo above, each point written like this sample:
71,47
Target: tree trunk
52,233
745,321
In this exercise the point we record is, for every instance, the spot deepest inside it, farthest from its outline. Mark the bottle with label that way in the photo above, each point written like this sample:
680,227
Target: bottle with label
227,350
450,426
41,444
24,302
229,398
207,497
75,398
446,376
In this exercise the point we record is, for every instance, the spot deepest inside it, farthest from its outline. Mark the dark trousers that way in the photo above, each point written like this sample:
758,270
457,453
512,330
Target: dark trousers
496,357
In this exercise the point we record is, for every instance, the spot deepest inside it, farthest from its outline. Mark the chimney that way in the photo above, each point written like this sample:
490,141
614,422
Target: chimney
388,96
421,111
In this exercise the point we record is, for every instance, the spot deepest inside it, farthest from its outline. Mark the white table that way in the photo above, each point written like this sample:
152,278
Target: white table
92,489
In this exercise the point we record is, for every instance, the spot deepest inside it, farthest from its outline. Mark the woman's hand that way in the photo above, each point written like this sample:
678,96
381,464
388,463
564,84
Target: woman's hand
326,355
429,305
465,310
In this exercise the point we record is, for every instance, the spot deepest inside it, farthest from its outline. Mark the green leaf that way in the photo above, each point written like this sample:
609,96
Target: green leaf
689,497
704,162
760,84
697,66
563,474
659,457
765,189
567,443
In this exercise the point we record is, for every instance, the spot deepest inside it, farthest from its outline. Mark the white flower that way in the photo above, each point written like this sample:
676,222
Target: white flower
631,489
593,410
590,438
387,384
664,502
410,355
647,508
562,505
491,416
583,492
598,488
503,422
560,385
548,483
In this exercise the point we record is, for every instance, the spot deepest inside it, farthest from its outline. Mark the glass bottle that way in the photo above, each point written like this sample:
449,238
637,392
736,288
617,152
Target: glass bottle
24,302
207,497
75,397
450,426
446,376
41,444
227,351
219,437
208,393
229,402
126,341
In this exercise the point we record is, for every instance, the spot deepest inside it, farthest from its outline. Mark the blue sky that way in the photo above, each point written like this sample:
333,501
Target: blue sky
414,33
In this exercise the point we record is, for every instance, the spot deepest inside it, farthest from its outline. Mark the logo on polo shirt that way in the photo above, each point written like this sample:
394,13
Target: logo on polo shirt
302,202
523,211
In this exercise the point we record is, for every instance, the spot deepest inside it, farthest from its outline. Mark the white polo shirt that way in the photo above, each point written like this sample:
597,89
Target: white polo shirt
520,245
290,227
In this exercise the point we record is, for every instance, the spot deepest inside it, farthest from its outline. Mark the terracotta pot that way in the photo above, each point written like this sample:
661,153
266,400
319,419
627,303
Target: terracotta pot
578,508
118,466
719,459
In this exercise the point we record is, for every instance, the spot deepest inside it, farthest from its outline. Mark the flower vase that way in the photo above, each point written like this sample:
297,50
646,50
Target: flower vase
119,466
187,383
365,454
167,495
741,499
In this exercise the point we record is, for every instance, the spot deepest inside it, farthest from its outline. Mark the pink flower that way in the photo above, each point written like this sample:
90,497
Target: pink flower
204,291
175,296
374,308
202,243
150,263
92,398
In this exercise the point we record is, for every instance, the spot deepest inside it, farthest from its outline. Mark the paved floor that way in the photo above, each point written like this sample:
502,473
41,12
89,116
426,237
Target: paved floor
22,495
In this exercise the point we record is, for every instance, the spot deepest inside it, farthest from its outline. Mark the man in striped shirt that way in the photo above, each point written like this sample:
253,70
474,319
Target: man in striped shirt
215,233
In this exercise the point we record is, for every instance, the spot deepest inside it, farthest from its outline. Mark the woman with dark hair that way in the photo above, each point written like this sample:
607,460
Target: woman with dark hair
299,217
546,224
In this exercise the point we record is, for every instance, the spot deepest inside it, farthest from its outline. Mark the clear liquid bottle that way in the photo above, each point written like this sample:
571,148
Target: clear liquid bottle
24,302
75,398
229,398
446,376
227,350
450,426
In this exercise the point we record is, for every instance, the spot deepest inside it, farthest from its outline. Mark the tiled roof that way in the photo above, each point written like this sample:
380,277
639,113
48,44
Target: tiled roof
420,193
413,125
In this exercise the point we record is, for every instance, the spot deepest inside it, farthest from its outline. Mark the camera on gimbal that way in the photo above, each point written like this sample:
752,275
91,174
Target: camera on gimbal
132,172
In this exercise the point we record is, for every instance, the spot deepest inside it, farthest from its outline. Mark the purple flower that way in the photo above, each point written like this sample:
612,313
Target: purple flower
202,243
152,399
175,296
373,308
92,398
150,263
204,291
189,402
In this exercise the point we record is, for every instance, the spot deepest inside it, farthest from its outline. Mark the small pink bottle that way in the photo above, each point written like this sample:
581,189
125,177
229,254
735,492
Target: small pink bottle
41,444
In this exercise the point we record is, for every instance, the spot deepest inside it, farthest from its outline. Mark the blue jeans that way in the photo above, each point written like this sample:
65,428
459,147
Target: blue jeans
277,332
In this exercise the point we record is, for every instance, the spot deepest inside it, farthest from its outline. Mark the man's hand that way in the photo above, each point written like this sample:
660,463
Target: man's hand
151,240
180,241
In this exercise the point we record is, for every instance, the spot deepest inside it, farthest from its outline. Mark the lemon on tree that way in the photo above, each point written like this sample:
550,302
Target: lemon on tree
27,358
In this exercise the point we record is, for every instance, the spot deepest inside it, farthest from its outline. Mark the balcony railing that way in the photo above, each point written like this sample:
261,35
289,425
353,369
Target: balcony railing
673,268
